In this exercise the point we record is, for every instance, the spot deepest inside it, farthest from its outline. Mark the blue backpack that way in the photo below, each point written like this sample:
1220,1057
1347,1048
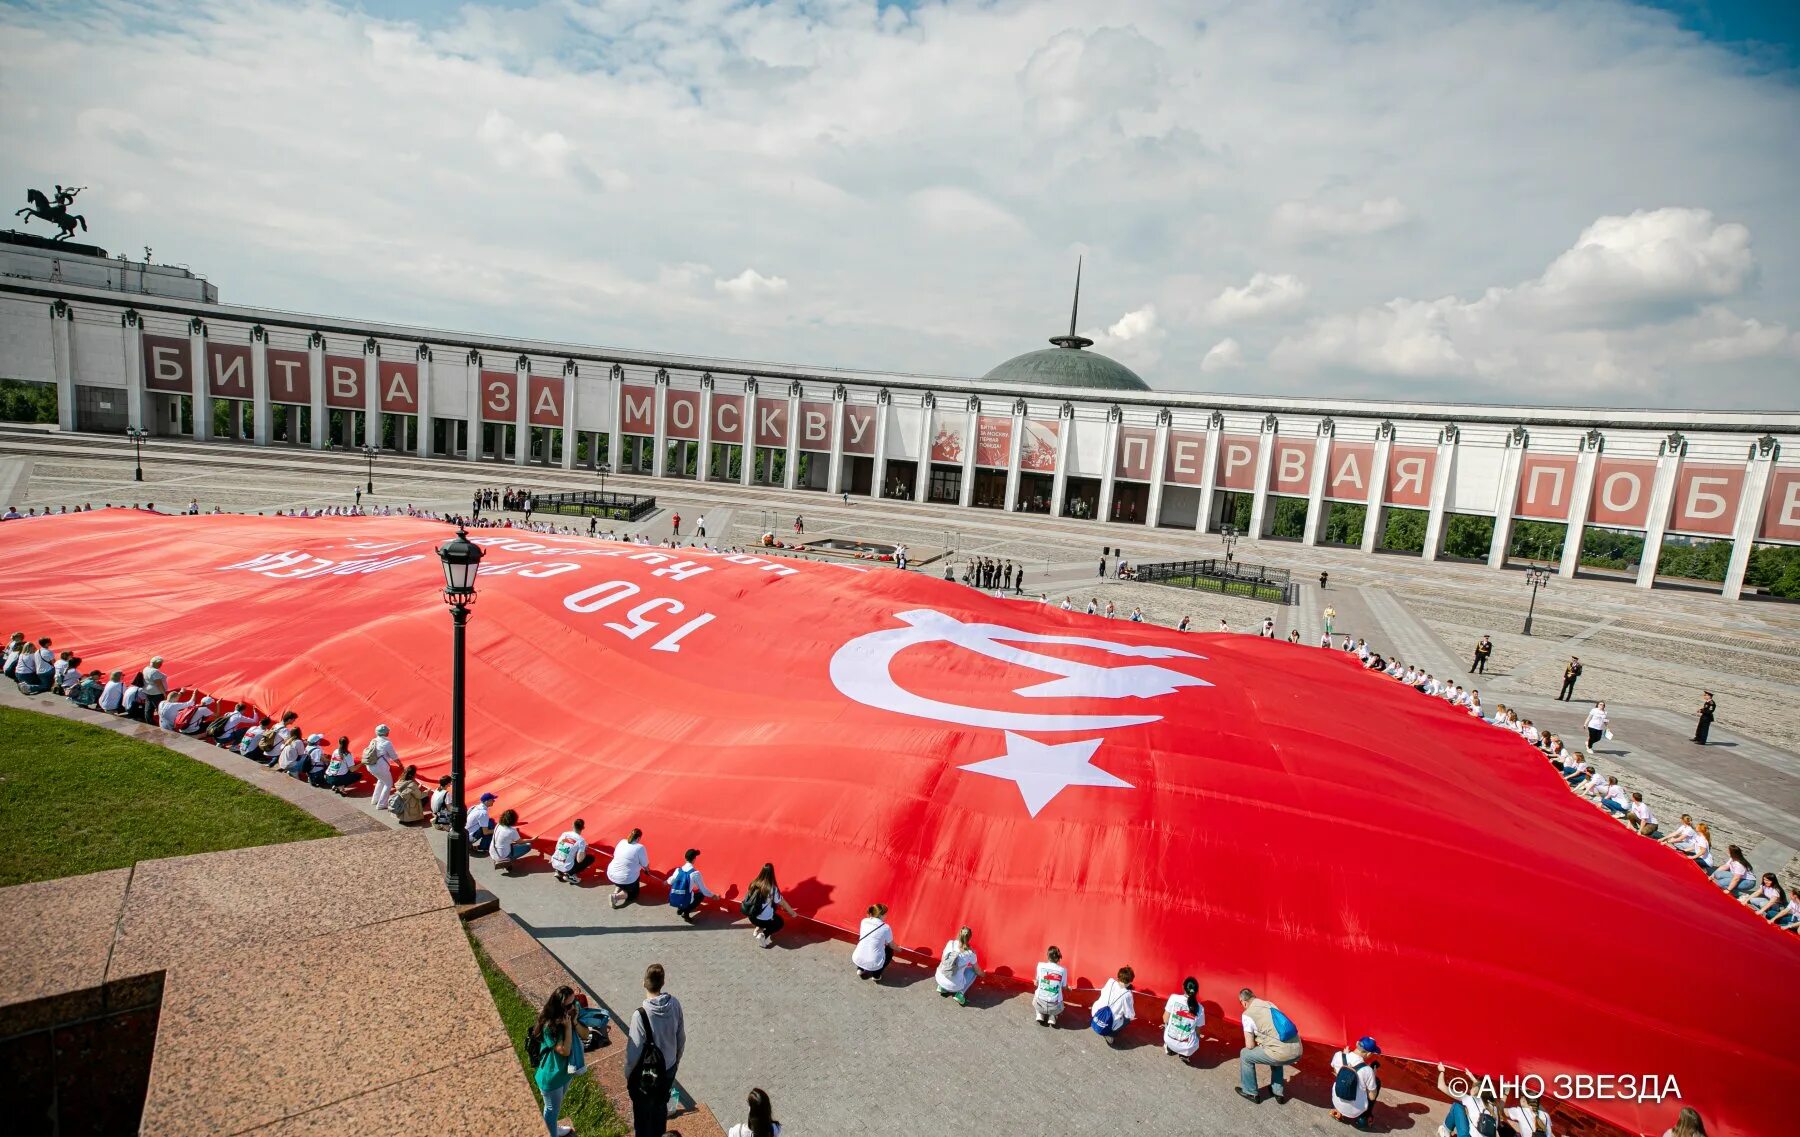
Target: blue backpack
681,892
1284,1026
1102,1022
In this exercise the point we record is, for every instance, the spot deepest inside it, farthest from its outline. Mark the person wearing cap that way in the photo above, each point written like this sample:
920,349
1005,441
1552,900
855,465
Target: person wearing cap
380,758
687,888
312,764
1354,1084
479,826
156,687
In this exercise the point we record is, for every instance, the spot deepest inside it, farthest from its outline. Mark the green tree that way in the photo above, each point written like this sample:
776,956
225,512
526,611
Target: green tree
1289,519
1404,531
1466,536
1344,523
27,402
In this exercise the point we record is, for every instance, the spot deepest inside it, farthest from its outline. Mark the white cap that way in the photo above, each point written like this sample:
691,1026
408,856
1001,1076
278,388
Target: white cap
382,730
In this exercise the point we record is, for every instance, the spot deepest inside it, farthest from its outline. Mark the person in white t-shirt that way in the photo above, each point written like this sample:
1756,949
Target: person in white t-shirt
478,824
761,1120
629,860
1183,1016
510,846
1596,725
1116,998
1529,1118
687,888
1639,817
571,857
112,696
958,967
1353,1095
440,803
874,948
1052,980
381,758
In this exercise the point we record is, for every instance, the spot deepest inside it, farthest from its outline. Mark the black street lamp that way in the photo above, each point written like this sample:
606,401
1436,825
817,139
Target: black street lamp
1537,578
137,434
370,452
1229,534
461,560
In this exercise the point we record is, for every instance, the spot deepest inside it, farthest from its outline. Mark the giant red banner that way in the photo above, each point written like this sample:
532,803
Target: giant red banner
290,376
1247,811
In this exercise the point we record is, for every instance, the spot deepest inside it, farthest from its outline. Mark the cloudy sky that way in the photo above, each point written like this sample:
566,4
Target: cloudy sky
1586,202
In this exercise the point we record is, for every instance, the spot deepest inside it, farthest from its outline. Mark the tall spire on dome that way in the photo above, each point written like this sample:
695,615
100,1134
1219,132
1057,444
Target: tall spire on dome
1072,340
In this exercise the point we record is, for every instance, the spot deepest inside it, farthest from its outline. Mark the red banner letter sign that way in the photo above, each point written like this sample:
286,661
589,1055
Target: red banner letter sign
1185,462
859,429
815,426
1291,470
1781,518
1347,474
639,407
290,376
396,386
344,382
683,409
728,418
546,397
1621,498
167,364
771,423
228,370
499,396
1137,446
1706,498
1237,462
1546,482
1409,476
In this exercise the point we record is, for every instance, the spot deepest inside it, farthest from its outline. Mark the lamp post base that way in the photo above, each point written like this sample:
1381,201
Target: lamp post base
137,475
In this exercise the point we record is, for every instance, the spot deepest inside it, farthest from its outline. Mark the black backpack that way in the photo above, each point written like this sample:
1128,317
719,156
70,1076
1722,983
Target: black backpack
534,1044
647,1076
1344,1085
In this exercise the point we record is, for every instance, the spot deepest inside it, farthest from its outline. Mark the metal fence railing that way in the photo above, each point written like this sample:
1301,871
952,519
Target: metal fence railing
1231,578
613,506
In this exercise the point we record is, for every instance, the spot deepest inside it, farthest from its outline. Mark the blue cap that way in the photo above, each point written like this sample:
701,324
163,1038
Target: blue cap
1367,1043
490,797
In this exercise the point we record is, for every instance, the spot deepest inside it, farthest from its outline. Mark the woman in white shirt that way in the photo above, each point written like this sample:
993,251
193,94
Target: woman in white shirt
510,846
761,1122
958,968
1052,980
1183,1016
1120,1006
1737,876
761,900
874,948
1596,725
1768,900
629,861
1528,1118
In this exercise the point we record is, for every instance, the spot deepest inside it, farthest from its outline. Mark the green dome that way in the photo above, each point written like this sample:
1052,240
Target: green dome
1068,367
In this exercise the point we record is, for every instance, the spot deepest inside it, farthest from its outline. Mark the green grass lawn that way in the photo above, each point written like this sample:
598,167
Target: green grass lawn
585,1107
77,799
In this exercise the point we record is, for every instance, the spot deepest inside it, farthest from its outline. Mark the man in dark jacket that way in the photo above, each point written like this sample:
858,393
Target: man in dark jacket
658,1019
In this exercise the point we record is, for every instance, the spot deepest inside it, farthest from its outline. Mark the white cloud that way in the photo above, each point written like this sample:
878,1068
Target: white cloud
750,283
1300,222
570,170
1265,295
1135,339
1226,355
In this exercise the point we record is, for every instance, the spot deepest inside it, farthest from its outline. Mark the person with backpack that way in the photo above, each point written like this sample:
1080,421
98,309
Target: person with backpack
1052,981
761,1122
1354,1084
440,803
687,887
629,860
760,902
380,758
1475,1113
553,1044
1529,1118
193,718
874,948
340,772
571,857
1183,1016
1271,1040
653,1048
958,968
1115,1007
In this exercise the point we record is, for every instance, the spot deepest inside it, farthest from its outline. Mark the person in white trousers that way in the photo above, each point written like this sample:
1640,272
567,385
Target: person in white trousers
380,758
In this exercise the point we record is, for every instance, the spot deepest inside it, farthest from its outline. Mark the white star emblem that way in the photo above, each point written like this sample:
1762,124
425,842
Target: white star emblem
1043,770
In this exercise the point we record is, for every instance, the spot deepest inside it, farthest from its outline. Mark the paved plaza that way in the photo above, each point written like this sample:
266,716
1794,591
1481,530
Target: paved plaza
848,1057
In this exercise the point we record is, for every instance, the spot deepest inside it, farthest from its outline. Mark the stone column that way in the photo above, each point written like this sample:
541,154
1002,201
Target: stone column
1315,492
1512,467
1586,460
834,477
791,475
372,397
1764,453
703,467
1159,458
922,482
1059,481
1109,460
659,460
1441,473
521,411
1209,475
883,411
62,360
202,398
569,432
422,355
1662,501
1014,452
1259,495
747,467
971,439
262,409
473,362
1378,471
137,396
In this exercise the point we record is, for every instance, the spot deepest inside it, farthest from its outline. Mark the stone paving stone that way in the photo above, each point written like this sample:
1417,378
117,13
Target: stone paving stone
38,987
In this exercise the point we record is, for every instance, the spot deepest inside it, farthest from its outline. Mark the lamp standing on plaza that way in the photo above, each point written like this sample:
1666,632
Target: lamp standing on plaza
1229,534
370,452
461,559
1537,577
137,434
